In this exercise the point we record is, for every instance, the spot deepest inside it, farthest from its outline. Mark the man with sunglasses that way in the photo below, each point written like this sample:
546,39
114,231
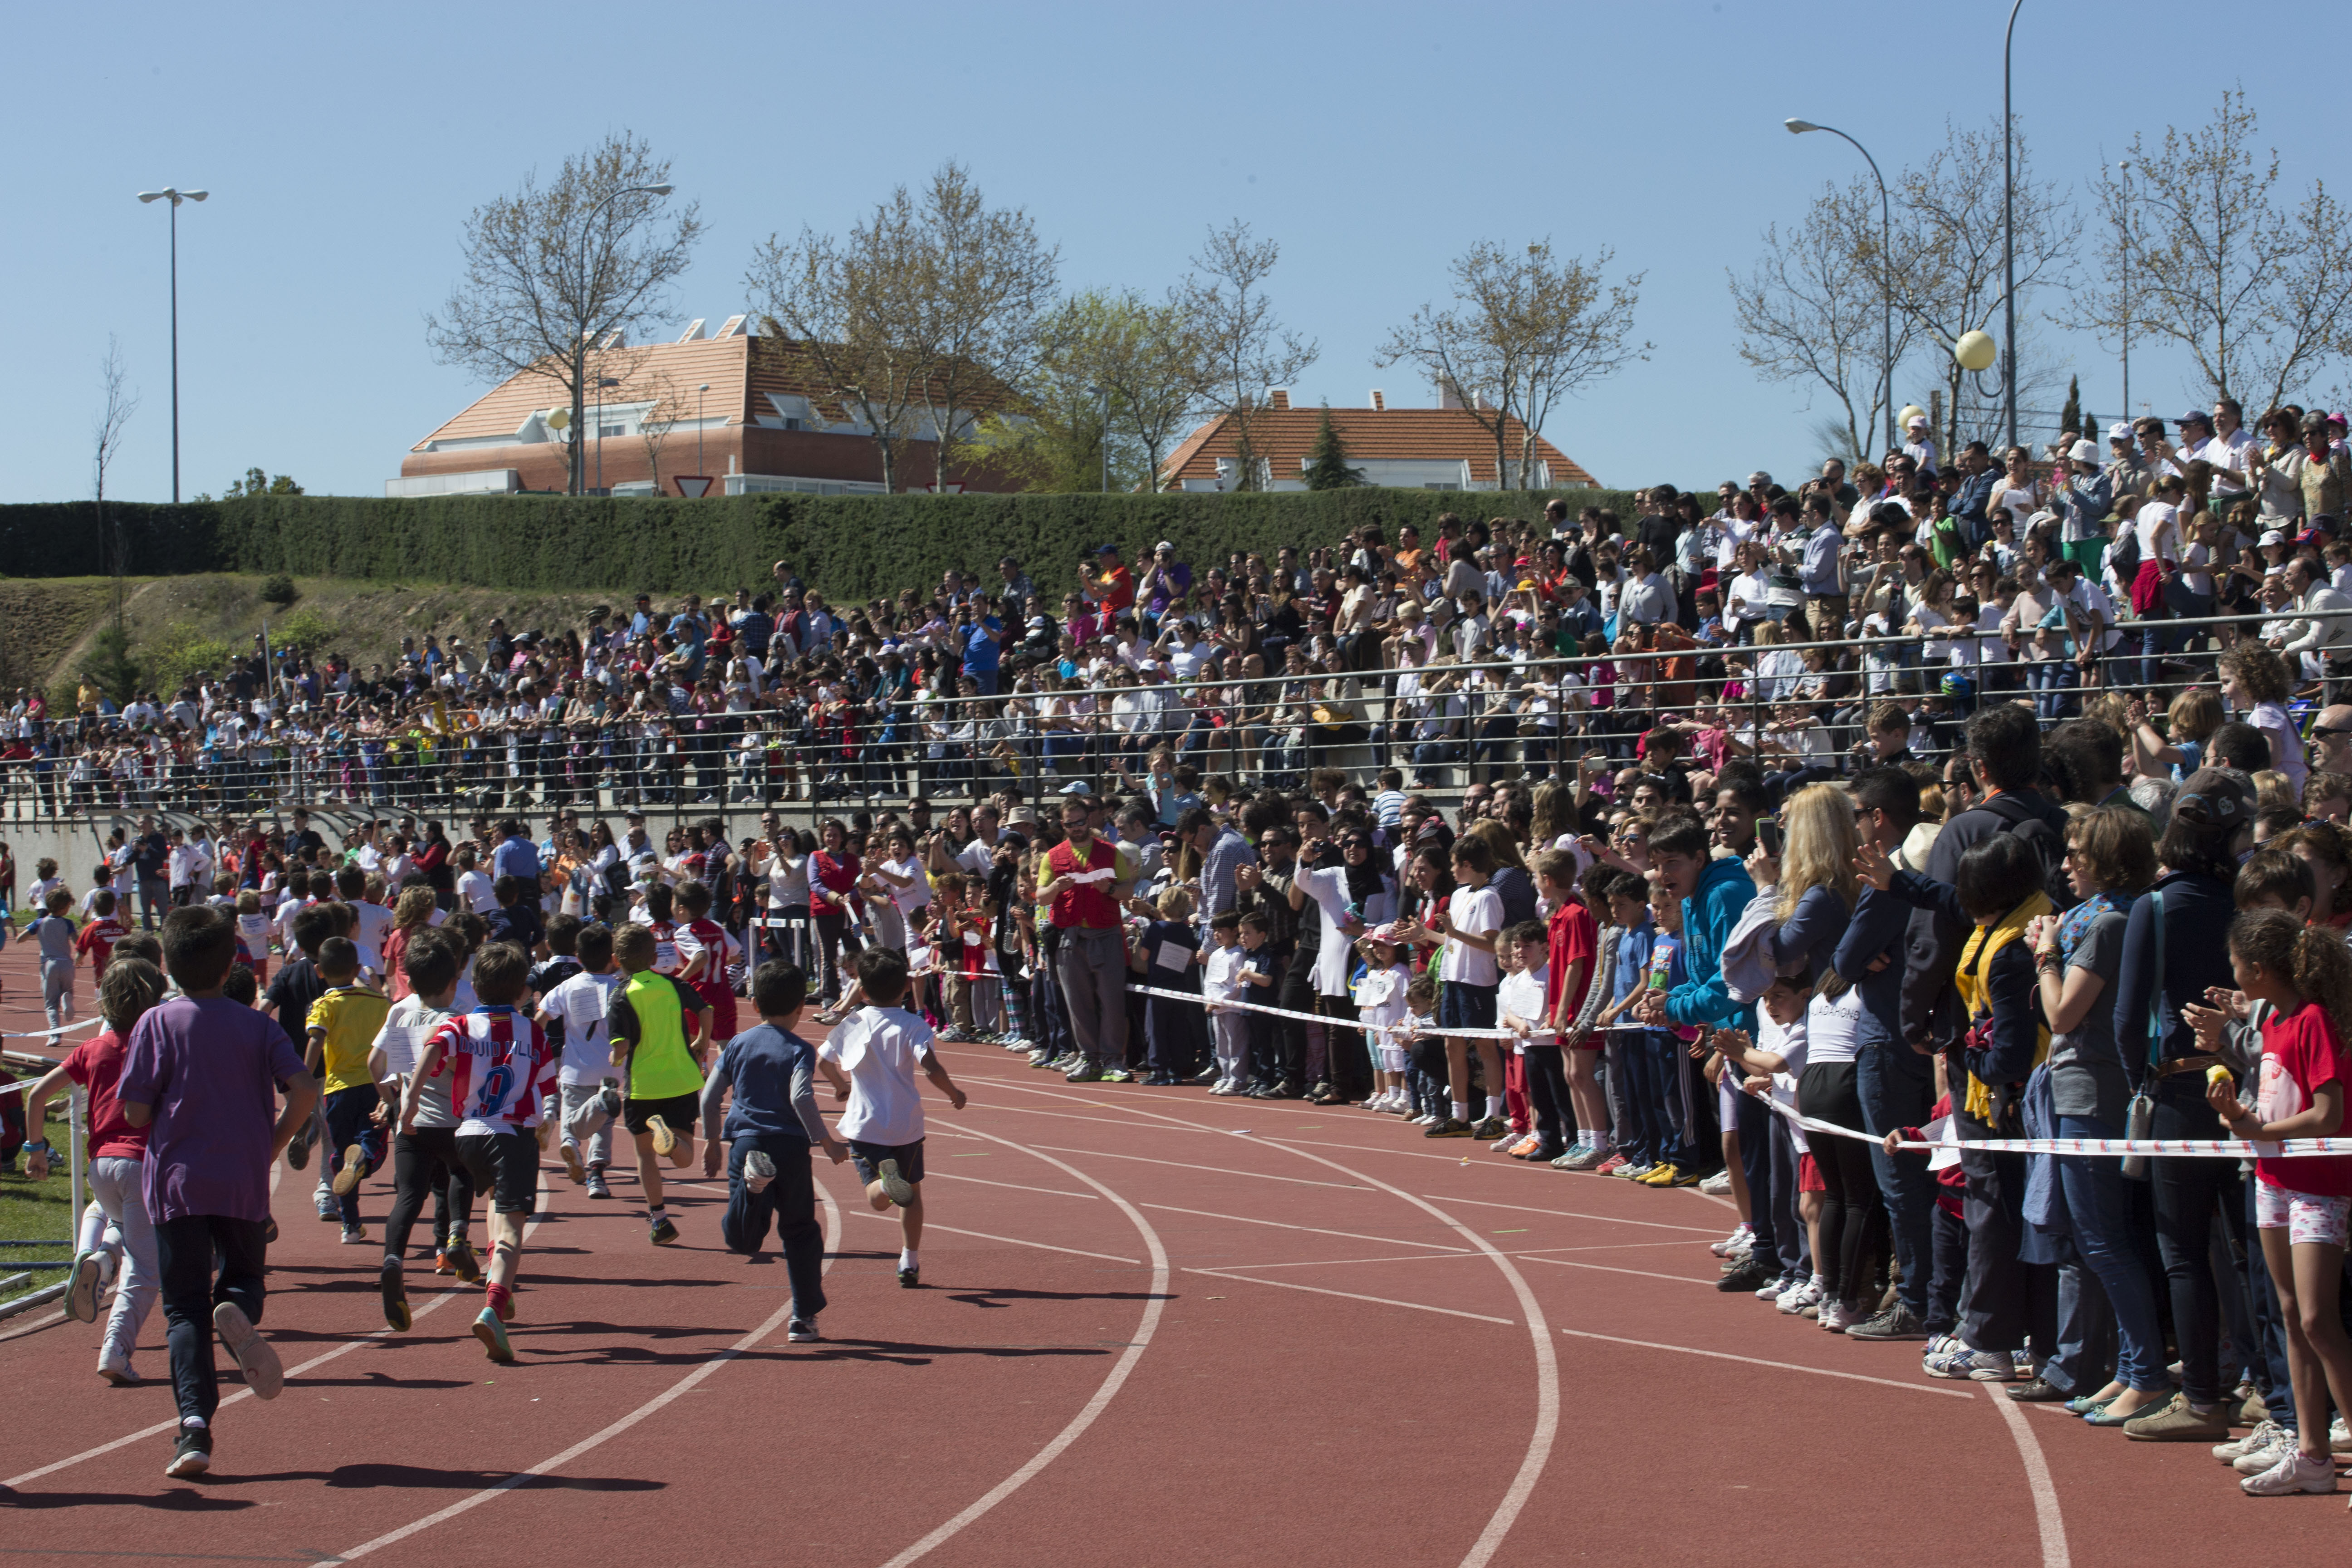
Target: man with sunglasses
2331,739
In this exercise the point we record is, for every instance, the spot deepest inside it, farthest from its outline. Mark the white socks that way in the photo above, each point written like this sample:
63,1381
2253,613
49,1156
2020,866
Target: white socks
906,1258
1494,1105
1460,1111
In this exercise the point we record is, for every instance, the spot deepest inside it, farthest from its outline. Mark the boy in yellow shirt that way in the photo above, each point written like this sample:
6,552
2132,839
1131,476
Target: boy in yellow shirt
342,1026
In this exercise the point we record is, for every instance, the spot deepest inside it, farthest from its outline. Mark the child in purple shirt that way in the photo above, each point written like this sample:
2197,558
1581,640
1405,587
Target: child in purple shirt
201,1075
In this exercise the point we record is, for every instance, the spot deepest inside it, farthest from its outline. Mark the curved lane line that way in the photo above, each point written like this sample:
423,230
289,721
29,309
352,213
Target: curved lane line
1095,1406
2046,1517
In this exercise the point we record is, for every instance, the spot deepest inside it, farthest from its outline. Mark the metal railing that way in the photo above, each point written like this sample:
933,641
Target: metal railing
1279,726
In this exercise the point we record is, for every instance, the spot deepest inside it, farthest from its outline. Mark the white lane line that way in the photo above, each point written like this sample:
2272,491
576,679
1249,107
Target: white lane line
1316,1229
393,1537
1781,1365
1016,1187
1536,1253
33,1326
1351,1296
1010,1240
1095,1406
291,1373
2046,1517
1572,1214
1605,1268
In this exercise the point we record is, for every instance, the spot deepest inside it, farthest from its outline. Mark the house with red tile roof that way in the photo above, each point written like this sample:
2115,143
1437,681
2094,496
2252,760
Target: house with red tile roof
1411,448
751,415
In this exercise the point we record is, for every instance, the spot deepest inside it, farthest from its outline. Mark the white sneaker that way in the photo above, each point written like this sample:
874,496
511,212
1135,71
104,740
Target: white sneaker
2264,1434
255,1356
1737,1241
1837,1317
1797,1299
1772,1291
758,1170
1717,1185
2295,1472
118,1370
2255,1461
2339,1437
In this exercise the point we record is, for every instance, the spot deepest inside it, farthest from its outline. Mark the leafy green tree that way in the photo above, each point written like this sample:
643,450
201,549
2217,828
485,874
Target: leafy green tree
1326,465
110,667
258,483
2071,417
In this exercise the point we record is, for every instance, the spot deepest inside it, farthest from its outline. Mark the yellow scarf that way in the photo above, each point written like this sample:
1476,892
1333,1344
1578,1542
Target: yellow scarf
1976,964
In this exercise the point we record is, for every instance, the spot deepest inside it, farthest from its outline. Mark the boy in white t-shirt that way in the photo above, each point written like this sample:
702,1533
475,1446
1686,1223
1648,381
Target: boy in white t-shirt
878,1048
1469,925
1221,981
589,1096
1521,1001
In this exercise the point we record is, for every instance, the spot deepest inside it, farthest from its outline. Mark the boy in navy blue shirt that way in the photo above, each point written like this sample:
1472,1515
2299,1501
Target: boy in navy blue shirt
769,1128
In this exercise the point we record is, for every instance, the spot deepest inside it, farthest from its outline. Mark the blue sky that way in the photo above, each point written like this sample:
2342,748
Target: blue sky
344,146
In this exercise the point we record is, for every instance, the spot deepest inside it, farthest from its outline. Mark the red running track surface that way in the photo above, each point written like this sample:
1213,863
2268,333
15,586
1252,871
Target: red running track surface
1155,1327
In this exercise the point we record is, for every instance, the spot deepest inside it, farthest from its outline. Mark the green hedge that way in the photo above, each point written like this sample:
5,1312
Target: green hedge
847,546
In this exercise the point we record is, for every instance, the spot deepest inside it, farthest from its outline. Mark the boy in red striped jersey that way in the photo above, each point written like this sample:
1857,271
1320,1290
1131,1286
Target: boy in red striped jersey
704,950
98,938
501,1069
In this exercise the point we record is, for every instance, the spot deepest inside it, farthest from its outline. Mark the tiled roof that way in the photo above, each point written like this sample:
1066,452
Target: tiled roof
1283,436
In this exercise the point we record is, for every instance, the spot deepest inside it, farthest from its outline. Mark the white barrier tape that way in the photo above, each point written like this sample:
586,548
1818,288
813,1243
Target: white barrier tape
2193,1148
1321,1019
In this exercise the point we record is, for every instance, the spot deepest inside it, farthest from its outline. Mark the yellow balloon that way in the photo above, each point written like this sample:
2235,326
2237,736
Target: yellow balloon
1976,351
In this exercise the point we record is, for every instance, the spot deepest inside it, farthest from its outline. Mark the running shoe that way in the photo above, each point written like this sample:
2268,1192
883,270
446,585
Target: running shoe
462,1262
1507,1142
1795,1300
1660,1175
1117,1075
1631,1170
664,1138
191,1453
298,1148
758,1170
493,1336
1084,1072
908,1278
573,1167
2266,1431
1452,1127
1588,1158
81,1293
1041,1058
118,1370
329,1211
396,1297
1836,1317
663,1232
1607,1161
1489,1127
2294,1472
1682,1179
2255,1461
441,1264
597,1188
1897,1323
1717,1185
255,1356
609,1097
351,1173
355,1235
802,1332
1740,1241
895,1188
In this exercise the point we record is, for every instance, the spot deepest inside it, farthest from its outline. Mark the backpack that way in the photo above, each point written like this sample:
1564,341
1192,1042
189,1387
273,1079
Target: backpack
2048,846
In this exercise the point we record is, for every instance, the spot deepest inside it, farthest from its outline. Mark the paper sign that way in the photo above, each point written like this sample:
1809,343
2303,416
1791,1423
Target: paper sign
1101,874
1945,1133
401,1043
1173,955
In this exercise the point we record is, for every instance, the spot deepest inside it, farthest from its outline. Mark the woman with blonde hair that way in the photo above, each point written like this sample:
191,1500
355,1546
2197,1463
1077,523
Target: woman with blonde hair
409,916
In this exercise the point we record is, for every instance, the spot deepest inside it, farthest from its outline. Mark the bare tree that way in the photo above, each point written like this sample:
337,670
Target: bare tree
1810,311
660,422
2201,253
851,311
987,279
1244,351
1527,328
551,273
1947,266
117,404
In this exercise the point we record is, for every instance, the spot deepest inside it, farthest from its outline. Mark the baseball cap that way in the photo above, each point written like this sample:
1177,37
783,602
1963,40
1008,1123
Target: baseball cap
1163,544
1915,419
2273,537
2195,417
2215,797
2119,431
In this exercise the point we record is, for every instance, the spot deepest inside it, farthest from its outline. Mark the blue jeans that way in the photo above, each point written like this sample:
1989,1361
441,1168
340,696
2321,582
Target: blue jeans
791,1200
2098,1206
348,1124
2044,677
1893,1081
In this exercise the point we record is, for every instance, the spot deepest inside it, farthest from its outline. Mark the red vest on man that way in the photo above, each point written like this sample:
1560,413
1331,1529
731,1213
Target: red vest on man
1086,906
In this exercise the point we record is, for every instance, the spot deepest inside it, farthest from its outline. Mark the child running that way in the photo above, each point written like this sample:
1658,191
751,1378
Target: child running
198,1078
879,1047
55,935
766,1078
659,1032
425,1148
500,1070
342,1028
588,1097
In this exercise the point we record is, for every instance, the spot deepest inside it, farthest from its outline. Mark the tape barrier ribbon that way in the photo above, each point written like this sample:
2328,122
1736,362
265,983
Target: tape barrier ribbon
1318,1017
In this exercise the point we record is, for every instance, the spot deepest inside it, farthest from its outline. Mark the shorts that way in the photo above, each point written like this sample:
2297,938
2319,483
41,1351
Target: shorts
868,1156
1808,1175
720,997
2309,1218
505,1165
680,1112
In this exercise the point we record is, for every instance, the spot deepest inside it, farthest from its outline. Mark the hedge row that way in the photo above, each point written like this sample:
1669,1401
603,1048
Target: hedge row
847,546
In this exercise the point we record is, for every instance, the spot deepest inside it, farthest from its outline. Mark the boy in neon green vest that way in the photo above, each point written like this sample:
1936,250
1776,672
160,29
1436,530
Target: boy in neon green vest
660,1032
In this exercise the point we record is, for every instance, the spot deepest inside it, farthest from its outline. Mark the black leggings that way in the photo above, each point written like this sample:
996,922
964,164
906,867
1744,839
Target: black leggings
836,945
1851,1215
425,1161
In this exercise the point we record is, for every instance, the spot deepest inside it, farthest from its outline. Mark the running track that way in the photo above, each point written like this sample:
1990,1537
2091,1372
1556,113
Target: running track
1156,1327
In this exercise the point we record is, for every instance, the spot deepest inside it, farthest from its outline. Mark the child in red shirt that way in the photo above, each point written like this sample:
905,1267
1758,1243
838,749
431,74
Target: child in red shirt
98,938
960,933
2303,1207
704,950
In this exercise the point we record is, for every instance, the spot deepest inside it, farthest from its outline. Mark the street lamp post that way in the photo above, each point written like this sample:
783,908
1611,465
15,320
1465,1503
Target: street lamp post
2123,230
580,349
2009,235
175,198
1885,272
698,427
601,383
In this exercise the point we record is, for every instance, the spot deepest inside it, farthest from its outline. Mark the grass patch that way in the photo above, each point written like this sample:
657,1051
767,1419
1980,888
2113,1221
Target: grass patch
36,1211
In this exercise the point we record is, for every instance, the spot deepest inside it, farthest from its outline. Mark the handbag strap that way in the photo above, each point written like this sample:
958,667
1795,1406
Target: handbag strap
2156,990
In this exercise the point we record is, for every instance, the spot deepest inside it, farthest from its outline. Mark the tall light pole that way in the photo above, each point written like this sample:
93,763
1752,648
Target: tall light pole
580,349
1886,272
175,196
1104,392
697,426
2123,229
601,383
2009,235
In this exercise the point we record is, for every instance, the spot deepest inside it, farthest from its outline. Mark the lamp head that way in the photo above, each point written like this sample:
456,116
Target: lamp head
1799,127
661,190
704,387
195,195
1976,351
